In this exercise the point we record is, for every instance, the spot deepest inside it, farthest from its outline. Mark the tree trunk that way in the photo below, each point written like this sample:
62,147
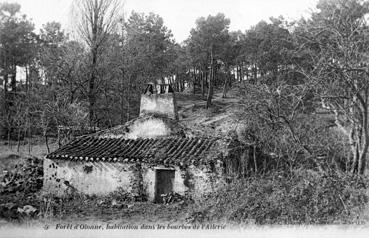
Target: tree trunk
47,143
91,92
27,77
194,80
255,73
18,140
194,88
241,71
128,115
29,138
359,149
354,159
246,155
182,82
364,142
225,85
255,160
13,81
210,89
121,103
211,78
6,127
9,141
203,76
59,139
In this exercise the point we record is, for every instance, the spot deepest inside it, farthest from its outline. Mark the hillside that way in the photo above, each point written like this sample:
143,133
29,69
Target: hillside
218,120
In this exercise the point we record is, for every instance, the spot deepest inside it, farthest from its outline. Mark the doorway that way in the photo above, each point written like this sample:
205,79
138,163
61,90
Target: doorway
164,183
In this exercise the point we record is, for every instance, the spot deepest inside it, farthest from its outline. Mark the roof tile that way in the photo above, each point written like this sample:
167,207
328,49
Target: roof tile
159,151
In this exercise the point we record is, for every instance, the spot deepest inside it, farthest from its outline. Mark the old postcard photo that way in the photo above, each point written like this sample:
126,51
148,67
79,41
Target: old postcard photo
140,118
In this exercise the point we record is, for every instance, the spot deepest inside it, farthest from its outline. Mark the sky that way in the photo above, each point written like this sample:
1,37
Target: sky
179,15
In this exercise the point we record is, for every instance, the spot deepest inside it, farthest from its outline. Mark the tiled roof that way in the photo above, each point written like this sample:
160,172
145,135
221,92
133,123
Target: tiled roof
167,151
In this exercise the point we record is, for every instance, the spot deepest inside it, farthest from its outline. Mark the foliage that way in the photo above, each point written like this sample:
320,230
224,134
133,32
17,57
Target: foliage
19,183
208,38
26,177
97,21
16,37
301,197
334,40
267,47
148,46
281,120
207,46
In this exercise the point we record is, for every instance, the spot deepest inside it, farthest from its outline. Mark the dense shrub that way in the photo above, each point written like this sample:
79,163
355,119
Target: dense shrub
25,176
302,197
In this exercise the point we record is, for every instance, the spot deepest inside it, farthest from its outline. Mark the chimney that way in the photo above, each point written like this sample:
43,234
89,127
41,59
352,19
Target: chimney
159,99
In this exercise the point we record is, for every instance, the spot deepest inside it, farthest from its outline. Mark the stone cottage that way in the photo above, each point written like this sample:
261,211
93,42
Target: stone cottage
148,156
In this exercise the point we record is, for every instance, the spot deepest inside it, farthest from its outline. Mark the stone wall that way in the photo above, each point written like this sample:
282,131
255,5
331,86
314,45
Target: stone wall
101,178
162,104
194,181
204,179
90,178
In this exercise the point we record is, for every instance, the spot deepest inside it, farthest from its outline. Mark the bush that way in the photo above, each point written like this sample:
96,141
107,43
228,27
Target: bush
25,176
302,197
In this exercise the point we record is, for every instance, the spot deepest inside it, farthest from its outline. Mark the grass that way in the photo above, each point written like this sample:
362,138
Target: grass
35,148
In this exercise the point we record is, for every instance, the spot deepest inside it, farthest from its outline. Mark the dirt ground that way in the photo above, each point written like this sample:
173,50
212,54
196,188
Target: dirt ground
136,213
218,120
